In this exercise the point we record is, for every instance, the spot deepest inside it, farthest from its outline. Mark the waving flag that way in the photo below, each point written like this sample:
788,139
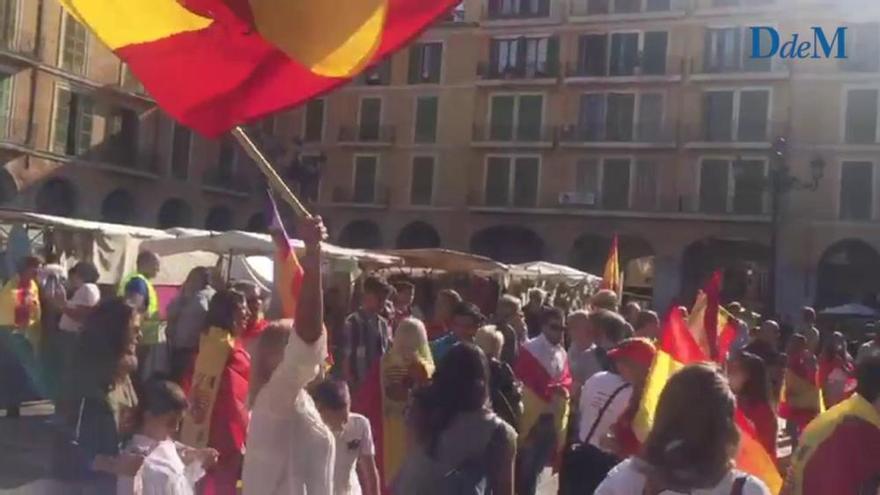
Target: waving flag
682,343
707,313
611,278
288,272
215,64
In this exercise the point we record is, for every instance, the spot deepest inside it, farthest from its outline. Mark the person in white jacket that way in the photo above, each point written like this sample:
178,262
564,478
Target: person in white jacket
289,449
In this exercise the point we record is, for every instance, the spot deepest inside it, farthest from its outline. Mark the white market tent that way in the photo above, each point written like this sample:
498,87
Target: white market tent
850,310
551,272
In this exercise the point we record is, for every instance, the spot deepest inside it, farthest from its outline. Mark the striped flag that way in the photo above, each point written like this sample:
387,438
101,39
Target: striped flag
611,277
288,272
682,343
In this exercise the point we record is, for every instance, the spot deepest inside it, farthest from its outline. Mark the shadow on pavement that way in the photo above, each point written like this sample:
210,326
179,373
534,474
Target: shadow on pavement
25,447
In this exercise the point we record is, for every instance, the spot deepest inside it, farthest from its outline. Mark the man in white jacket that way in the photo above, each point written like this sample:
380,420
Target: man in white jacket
289,449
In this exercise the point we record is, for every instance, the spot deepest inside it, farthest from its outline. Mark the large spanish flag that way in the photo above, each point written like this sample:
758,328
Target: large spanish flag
215,64
681,343
611,278
543,394
801,393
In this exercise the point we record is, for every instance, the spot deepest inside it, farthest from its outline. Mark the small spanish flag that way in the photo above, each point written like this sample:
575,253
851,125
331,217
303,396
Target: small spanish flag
215,64
289,273
611,278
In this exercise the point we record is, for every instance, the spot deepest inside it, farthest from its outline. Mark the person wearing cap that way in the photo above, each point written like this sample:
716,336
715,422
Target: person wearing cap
605,400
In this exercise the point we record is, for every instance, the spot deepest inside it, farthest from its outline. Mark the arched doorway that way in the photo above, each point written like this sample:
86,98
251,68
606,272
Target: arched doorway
745,264
589,252
219,218
508,244
175,213
418,235
57,197
118,207
849,272
257,223
361,234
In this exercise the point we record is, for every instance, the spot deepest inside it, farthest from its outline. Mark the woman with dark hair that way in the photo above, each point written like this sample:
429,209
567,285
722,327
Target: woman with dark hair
750,382
461,446
692,444
837,371
218,392
98,403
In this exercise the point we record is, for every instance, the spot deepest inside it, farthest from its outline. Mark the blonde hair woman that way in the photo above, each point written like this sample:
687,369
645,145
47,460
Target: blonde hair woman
384,396
505,390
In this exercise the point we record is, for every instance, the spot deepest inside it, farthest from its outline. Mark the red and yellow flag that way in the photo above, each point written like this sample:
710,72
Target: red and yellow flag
543,394
682,343
289,273
215,64
611,278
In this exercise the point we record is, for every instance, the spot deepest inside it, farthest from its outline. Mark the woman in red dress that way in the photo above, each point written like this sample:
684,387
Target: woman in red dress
750,381
218,415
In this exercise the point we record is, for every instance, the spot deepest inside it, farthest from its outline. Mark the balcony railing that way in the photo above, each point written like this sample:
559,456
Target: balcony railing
640,132
18,132
515,134
491,71
21,44
739,65
516,9
673,66
380,134
583,8
381,196
735,131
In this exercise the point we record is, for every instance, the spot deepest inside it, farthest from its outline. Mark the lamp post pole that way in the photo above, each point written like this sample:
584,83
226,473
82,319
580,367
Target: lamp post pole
781,183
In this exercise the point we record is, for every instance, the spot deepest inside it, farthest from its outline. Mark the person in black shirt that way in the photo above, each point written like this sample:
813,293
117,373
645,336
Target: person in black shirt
504,389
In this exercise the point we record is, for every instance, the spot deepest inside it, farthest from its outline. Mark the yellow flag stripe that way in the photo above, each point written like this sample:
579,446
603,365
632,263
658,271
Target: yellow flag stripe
120,23
664,367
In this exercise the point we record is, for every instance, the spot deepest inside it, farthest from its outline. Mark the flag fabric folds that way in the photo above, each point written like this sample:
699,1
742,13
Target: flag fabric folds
611,278
289,273
542,394
686,342
215,64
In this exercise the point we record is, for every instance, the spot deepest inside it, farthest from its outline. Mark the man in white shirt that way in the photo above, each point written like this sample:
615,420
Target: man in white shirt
354,440
86,295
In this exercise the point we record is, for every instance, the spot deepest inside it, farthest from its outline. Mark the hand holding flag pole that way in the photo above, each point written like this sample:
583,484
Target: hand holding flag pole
276,183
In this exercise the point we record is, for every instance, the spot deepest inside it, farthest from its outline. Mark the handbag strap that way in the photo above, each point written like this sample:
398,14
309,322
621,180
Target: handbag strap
79,418
602,411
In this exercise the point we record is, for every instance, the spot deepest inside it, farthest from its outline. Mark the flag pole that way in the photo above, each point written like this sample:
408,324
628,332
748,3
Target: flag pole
276,183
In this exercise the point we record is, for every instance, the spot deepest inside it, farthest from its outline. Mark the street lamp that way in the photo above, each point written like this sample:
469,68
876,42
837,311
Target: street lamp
782,182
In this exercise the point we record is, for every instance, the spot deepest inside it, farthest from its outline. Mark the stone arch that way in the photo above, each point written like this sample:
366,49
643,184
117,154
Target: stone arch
361,234
118,207
508,244
418,235
175,212
745,264
590,251
57,197
848,272
219,218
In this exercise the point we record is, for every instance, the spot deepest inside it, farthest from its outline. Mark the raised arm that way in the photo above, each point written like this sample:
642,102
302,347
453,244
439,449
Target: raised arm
310,307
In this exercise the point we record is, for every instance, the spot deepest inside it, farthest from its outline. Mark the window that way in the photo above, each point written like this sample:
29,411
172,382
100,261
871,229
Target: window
736,115
365,170
426,120
121,142
8,20
523,57
73,122
600,7
735,186
501,9
645,185
226,161
516,118
370,118
861,116
856,185
314,121
6,81
422,184
713,186
512,181
621,117
615,183
729,49
587,181
180,152
377,75
74,45
425,62
627,54
863,40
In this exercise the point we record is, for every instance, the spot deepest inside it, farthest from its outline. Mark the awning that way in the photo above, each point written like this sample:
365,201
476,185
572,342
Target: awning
542,270
447,260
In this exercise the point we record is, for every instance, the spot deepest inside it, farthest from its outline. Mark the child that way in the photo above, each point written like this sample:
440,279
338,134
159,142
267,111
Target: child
354,439
169,468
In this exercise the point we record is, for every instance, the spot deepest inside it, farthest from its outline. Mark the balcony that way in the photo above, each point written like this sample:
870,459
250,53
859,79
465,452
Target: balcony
609,10
529,73
367,135
738,134
517,10
17,134
641,135
380,199
522,136
222,181
21,47
747,69
671,71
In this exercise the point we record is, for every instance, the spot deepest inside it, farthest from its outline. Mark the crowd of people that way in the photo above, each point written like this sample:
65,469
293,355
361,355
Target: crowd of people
389,401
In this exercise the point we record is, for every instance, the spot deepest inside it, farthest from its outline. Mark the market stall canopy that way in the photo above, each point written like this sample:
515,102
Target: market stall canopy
850,310
447,260
551,271
26,217
252,244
